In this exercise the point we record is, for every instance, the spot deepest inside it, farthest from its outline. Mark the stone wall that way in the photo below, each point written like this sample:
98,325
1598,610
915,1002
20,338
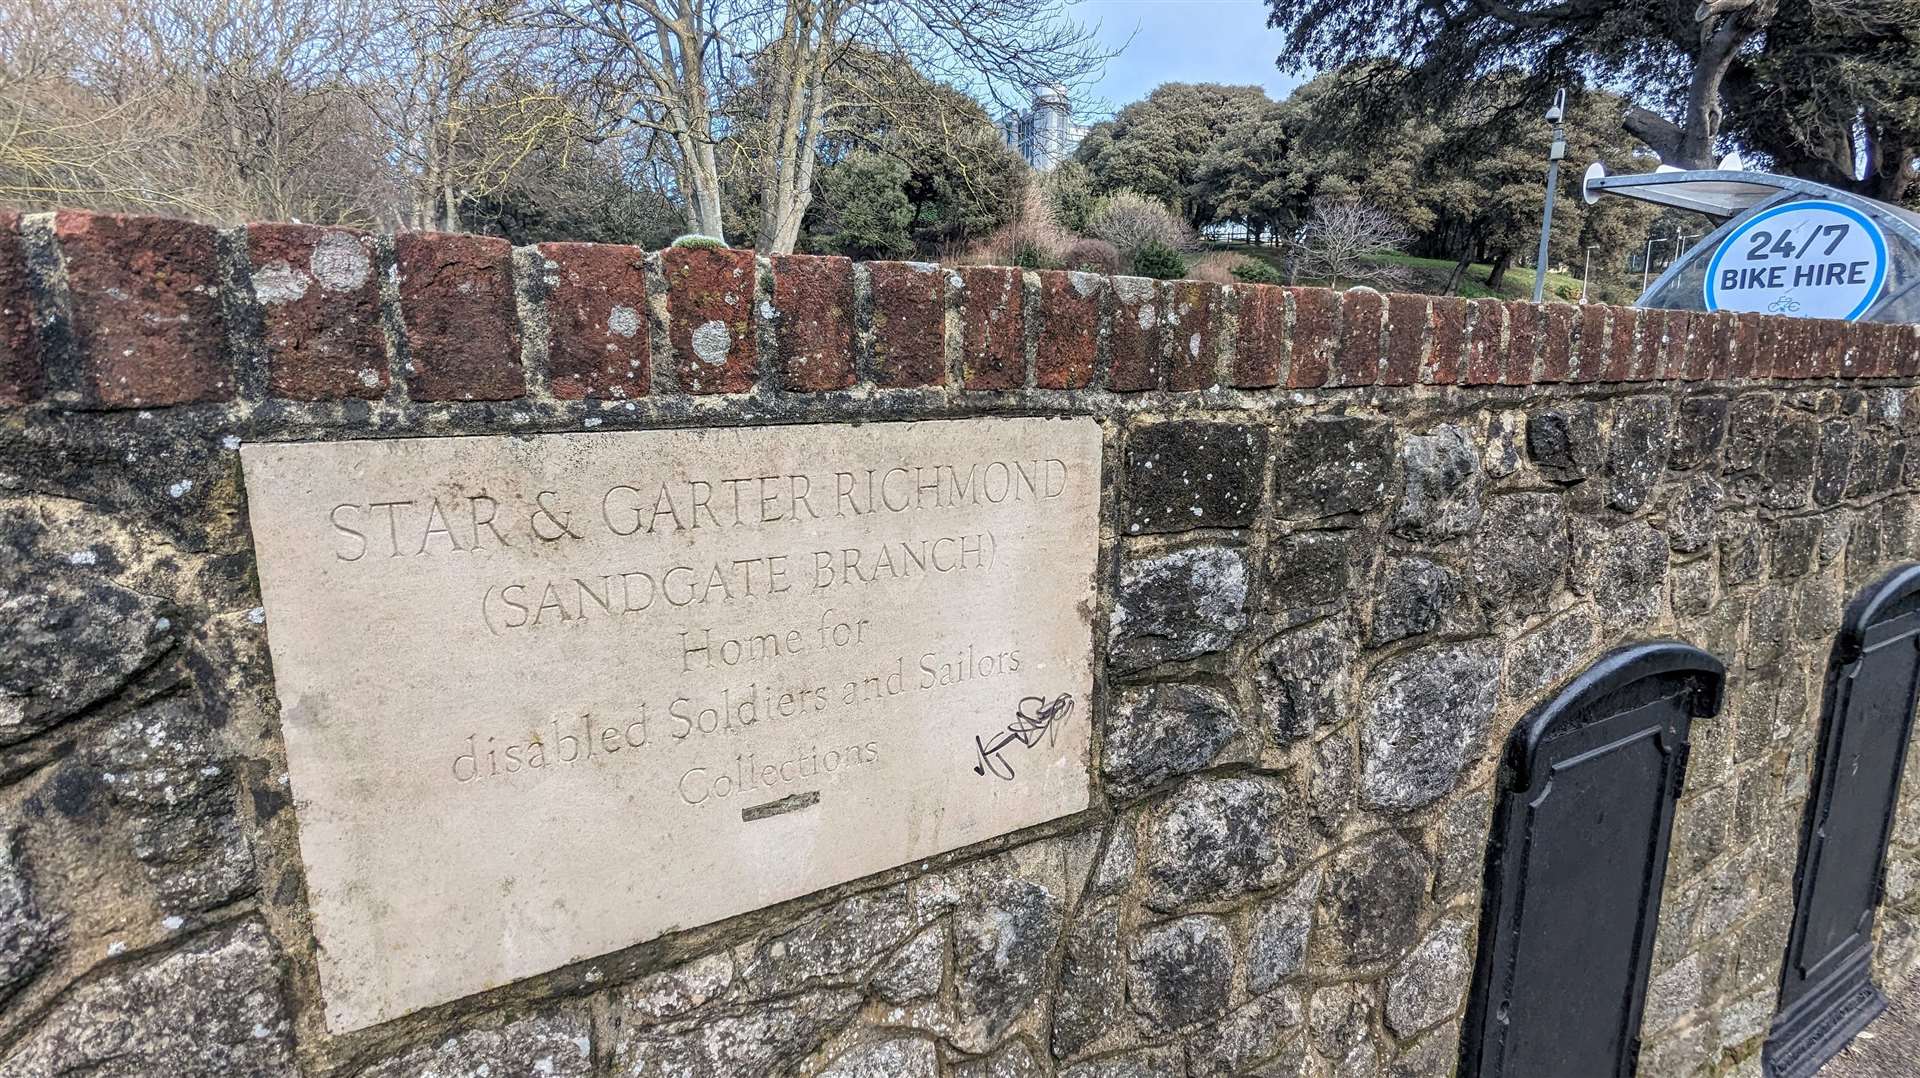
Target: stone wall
1348,541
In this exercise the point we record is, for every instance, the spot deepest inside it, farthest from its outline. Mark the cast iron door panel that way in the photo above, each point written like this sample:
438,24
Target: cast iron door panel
1826,990
1575,866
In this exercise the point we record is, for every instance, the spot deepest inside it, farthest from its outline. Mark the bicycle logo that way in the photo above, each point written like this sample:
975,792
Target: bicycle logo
1783,305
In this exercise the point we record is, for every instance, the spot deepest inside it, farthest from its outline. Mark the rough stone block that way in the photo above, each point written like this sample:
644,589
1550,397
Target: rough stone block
1362,316
1186,474
1302,679
1192,315
1441,499
1637,453
1307,573
1698,429
1369,904
1522,552
1430,984
1546,656
1134,362
1260,347
599,344
1625,570
212,1007
1330,465
1180,973
552,1045
1416,596
1093,985
1254,1031
1214,840
1564,441
1277,938
1069,339
909,324
1691,509
147,325
27,933
813,305
1425,717
1160,733
1177,606
456,300
20,372
1316,333
710,300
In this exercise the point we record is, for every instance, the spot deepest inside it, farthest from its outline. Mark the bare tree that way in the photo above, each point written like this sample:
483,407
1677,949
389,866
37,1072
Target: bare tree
677,68
1344,238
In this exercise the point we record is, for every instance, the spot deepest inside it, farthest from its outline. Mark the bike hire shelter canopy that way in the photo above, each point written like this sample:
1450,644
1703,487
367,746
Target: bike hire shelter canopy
1783,246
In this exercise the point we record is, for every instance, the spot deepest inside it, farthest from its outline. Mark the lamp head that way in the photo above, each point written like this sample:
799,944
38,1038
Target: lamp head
1558,110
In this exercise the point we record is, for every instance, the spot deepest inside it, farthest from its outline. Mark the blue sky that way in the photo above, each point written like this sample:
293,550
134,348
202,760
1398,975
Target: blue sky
1183,41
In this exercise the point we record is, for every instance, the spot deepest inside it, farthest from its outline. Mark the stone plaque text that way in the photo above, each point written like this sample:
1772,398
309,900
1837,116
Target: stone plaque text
549,696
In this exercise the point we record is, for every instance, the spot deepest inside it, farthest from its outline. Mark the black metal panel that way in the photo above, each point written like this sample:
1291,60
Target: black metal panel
1827,992
1575,865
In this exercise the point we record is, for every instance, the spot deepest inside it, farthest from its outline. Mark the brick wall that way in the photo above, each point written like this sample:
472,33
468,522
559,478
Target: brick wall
1336,526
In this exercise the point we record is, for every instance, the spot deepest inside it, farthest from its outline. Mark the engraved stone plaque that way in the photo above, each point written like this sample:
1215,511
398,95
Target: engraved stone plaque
549,696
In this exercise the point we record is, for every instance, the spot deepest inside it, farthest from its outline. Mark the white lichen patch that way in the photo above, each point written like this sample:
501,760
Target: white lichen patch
1146,316
340,263
276,283
83,557
179,488
1133,289
712,342
1086,284
369,378
230,442
624,321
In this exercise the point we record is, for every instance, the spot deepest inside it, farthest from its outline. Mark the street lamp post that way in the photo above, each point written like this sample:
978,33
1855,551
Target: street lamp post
1555,115
1646,265
1586,264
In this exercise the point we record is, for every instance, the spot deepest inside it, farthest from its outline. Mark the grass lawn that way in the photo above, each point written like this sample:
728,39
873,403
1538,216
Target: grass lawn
1430,276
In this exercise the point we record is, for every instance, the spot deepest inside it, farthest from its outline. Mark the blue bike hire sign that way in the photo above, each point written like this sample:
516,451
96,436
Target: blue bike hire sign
1812,259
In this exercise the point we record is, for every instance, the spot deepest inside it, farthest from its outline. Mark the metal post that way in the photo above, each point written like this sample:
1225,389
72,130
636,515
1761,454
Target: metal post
1559,150
1586,264
1646,264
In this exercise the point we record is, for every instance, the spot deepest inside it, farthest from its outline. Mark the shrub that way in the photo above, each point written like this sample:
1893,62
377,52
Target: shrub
870,212
1070,196
1028,253
1032,240
1129,221
697,242
1258,271
1093,256
1158,260
1213,266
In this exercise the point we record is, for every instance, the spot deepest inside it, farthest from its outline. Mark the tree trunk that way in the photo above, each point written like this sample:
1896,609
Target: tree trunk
1499,271
1690,143
1459,273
